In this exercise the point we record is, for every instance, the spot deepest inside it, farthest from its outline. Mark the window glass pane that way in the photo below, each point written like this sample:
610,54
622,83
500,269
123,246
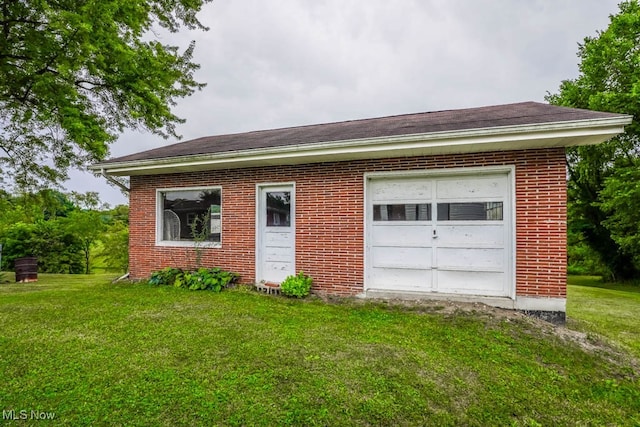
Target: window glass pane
475,211
278,209
189,215
404,212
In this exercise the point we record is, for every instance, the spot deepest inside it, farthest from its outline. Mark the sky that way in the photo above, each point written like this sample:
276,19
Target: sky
280,63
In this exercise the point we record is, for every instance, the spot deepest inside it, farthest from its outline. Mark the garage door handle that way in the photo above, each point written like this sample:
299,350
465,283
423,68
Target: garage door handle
435,234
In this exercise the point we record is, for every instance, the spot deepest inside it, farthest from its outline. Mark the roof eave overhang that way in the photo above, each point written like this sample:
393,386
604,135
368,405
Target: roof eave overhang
521,137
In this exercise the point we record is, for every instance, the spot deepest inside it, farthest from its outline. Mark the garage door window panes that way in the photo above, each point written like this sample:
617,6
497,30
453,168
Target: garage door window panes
474,211
402,212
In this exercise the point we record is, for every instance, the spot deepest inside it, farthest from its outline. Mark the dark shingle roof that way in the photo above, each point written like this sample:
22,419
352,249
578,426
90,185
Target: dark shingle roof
524,113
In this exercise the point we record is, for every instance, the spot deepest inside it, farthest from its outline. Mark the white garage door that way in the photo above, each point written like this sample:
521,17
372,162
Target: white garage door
448,234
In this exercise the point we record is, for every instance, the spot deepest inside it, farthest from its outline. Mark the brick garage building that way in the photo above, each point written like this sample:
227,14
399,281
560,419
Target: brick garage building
462,204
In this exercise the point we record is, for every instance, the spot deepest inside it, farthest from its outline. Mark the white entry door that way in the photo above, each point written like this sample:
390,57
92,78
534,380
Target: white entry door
275,252
448,234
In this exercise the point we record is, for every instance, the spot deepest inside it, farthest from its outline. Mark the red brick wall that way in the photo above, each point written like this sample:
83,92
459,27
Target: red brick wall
330,218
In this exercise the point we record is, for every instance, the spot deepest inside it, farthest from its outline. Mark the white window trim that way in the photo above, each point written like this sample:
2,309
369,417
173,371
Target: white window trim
177,243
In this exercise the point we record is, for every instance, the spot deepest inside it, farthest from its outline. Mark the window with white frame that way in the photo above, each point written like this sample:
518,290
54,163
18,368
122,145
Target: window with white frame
189,215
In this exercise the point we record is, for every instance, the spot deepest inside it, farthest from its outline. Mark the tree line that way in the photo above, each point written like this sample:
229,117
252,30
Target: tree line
68,233
73,76
604,179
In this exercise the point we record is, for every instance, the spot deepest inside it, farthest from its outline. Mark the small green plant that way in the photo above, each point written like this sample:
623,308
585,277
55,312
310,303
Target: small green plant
167,276
199,228
296,286
214,279
206,278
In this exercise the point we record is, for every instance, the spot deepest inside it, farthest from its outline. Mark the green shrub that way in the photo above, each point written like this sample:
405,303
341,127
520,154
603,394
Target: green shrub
214,279
296,286
167,276
57,249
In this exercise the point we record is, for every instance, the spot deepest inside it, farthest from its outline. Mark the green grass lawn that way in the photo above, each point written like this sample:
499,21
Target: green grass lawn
609,310
95,353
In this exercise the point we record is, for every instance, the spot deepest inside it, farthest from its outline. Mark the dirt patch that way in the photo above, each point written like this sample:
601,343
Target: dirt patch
442,306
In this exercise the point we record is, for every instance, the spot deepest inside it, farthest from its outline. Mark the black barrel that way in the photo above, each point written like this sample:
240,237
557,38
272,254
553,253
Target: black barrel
26,269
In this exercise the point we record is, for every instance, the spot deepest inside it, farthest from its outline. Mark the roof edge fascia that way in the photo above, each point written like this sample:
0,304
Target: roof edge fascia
472,139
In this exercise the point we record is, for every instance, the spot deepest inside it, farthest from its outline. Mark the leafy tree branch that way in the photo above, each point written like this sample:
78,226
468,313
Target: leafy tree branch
73,75
601,193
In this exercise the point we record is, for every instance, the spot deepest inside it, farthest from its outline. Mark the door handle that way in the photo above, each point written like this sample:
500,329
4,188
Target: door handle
435,234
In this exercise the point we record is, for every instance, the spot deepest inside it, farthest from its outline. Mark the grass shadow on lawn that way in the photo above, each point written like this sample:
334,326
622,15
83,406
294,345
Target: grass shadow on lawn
598,282
606,310
135,354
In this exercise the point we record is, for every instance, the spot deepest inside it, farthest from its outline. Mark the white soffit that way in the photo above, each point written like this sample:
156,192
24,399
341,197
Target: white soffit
520,137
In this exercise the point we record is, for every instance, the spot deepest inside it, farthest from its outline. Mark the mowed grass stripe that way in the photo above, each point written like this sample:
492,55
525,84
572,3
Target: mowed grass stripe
134,354
609,310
